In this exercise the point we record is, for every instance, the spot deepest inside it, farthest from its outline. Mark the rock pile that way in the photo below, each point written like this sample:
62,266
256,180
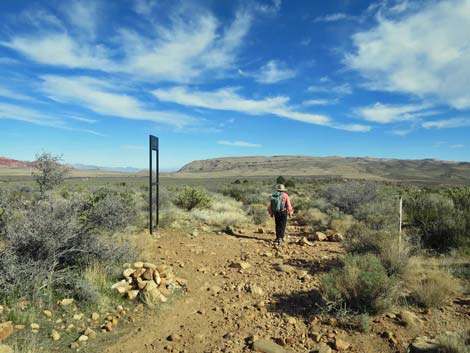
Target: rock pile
329,235
148,282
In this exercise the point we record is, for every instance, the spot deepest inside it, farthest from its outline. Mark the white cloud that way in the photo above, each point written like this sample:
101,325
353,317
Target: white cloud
425,52
144,7
447,123
8,93
84,120
162,53
238,143
274,71
385,114
98,96
333,89
59,49
30,115
457,146
83,14
313,102
334,17
228,99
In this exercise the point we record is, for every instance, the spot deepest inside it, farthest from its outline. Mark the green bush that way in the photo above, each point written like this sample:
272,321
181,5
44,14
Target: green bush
441,224
190,197
393,254
362,284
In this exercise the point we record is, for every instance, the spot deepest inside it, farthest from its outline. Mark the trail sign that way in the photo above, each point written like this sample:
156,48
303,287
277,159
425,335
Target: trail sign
153,146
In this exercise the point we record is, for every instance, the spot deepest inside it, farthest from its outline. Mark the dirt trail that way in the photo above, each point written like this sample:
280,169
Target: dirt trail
274,298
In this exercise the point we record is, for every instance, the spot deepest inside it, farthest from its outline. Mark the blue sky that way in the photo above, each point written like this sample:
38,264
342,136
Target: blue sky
90,79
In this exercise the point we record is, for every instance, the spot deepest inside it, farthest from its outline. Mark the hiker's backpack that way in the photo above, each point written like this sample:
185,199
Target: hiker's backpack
277,202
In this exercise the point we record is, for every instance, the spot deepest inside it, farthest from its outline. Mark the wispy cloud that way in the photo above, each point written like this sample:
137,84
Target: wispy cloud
99,97
344,88
422,53
238,143
30,115
162,53
334,17
8,93
229,99
386,114
313,102
447,123
274,71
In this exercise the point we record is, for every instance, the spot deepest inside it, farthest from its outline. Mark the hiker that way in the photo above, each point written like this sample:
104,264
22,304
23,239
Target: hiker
280,208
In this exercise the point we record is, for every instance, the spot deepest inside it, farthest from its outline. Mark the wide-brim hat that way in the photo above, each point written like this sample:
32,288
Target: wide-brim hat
281,187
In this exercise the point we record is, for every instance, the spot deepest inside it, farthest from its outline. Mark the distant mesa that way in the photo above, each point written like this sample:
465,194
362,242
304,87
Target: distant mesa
13,163
385,169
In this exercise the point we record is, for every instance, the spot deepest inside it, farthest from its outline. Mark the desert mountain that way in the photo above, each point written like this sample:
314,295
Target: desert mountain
426,170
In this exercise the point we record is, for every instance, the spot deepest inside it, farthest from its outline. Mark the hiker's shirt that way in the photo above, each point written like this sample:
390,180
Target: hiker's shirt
286,199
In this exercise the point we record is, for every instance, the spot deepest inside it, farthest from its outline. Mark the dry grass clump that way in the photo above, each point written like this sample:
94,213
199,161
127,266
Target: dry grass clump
223,211
431,288
312,217
454,343
342,224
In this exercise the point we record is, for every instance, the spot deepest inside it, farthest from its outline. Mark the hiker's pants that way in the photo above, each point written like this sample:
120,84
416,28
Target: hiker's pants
281,221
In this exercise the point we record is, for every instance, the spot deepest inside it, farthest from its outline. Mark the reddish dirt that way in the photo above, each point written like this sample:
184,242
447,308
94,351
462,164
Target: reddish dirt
219,314
13,163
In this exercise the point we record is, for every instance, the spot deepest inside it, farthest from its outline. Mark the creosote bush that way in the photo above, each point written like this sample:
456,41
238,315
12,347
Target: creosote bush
49,171
259,213
312,217
190,197
362,284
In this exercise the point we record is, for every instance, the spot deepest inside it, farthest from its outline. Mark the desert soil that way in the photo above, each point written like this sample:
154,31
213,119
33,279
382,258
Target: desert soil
225,307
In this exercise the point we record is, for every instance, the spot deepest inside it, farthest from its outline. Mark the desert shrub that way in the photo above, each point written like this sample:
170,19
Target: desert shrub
349,196
393,254
312,217
441,224
49,172
259,213
48,243
280,180
321,203
362,284
110,210
190,197
289,184
432,288
249,195
342,224
379,214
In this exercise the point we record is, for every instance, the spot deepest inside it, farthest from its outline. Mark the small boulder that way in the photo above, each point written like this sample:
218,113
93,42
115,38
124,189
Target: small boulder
6,330
243,265
47,313
319,236
66,302
324,348
267,346
341,345
283,268
336,237
55,335
424,344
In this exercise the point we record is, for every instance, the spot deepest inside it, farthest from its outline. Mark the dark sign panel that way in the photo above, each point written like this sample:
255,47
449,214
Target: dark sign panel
153,146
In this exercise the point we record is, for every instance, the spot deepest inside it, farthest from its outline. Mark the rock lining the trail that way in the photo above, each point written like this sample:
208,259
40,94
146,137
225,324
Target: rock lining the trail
148,282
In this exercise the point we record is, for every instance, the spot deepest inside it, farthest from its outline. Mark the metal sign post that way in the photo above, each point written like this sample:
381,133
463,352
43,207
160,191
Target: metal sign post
153,146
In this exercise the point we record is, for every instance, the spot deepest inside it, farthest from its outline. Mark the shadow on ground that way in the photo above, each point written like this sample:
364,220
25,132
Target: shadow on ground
301,304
